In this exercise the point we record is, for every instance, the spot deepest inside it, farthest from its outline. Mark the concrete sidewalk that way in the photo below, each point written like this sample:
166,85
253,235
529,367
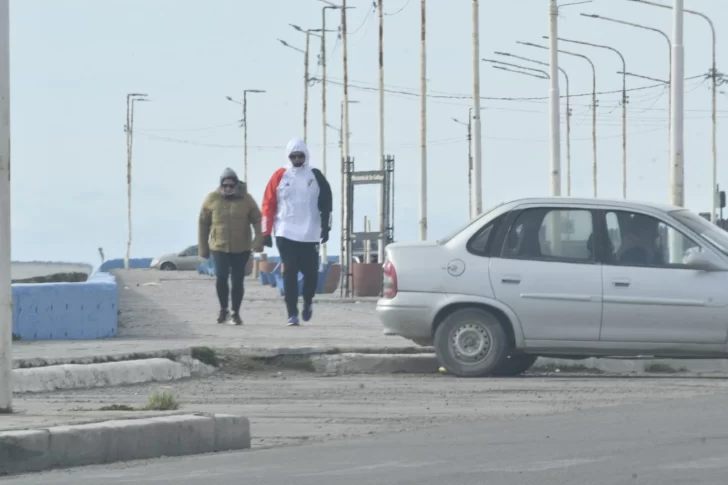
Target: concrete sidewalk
167,311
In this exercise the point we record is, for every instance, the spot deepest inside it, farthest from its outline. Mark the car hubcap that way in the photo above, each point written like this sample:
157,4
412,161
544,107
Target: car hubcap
471,342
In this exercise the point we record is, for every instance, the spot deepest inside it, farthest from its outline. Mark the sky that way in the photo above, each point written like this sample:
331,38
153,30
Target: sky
74,61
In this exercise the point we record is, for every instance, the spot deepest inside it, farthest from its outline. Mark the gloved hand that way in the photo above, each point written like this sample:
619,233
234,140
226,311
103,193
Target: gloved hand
324,235
268,241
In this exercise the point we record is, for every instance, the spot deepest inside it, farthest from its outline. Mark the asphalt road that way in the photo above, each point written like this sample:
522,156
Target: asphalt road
670,442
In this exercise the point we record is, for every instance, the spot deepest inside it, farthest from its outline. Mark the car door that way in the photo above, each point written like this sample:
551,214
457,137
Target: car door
188,259
548,274
658,299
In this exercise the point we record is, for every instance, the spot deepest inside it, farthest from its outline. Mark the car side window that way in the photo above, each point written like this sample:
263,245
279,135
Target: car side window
481,243
190,251
646,241
544,234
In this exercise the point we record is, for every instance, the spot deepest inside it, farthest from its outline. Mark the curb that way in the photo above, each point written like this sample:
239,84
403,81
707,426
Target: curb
121,440
79,376
375,364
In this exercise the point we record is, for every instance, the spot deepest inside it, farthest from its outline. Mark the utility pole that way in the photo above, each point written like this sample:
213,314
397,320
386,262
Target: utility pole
469,125
677,195
244,123
131,99
477,132
380,199
305,87
423,120
554,99
324,256
6,294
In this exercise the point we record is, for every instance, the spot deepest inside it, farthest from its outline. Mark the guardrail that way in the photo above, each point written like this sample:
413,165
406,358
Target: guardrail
66,311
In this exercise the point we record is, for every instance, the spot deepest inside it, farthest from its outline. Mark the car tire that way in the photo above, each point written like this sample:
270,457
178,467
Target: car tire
168,267
471,342
515,364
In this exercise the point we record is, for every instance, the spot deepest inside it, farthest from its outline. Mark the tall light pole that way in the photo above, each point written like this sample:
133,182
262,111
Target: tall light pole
423,120
669,57
477,128
131,100
305,79
469,125
324,257
568,111
245,126
624,105
678,91
594,106
380,199
554,99
6,295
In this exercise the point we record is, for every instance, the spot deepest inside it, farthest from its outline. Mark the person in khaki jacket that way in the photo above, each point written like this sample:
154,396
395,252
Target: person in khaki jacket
226,219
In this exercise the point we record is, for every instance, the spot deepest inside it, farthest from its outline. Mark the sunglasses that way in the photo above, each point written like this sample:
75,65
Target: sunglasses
297,156
228,186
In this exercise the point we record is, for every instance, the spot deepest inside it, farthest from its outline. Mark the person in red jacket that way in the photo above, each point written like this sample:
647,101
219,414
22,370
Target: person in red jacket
297,208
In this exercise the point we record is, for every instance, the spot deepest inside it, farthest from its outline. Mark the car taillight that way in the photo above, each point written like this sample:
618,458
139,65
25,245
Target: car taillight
389,283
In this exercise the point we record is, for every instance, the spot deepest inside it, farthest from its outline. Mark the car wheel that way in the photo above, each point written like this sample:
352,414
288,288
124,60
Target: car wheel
168,267
515,364
471,343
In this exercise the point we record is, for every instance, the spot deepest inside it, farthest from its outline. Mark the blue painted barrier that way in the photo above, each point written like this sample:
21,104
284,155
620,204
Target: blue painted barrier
66,311
134,263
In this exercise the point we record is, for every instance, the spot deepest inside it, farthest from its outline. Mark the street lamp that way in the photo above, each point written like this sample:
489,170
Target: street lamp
131,100
678,39
568,111
471,195
594,105
624,106
245,126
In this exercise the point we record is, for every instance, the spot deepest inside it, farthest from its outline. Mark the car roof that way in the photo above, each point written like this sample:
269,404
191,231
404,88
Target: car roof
620,203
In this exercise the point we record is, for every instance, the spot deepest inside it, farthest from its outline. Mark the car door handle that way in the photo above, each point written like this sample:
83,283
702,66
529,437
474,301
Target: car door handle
511,281
621,283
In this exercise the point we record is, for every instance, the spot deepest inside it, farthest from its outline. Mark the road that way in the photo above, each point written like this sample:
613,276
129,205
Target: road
659,443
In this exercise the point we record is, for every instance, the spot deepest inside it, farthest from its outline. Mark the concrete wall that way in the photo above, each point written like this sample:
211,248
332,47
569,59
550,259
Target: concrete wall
66,311
33,269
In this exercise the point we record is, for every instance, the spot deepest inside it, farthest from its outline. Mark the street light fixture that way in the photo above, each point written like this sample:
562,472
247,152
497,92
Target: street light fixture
244,123
131,100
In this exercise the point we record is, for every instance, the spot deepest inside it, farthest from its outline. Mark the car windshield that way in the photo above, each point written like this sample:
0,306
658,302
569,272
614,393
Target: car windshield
712,233
444,240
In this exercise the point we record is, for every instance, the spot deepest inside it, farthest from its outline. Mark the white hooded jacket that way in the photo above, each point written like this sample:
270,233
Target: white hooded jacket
297,202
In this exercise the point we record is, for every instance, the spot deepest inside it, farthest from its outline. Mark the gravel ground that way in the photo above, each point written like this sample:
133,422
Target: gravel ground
293,407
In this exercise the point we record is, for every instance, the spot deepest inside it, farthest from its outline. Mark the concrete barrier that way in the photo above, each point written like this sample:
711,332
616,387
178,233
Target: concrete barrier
134,263
66,311
120,440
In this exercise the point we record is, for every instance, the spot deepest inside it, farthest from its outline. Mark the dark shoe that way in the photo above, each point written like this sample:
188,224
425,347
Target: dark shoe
307,312
293,322
224,316
236,319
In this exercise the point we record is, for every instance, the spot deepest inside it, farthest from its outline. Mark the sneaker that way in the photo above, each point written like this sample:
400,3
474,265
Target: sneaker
307,312
236,319
293,322
224,316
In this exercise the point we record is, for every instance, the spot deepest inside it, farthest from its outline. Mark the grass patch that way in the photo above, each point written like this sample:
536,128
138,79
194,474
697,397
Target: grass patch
293,362
118,407
232,362
205,355
162,401
16,337
660,368
56,278
241,364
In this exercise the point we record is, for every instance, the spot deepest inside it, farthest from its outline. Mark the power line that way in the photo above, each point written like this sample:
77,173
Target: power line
491,98
398,11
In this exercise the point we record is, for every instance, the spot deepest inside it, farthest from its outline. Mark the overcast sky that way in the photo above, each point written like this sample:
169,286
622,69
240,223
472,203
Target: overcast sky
73,61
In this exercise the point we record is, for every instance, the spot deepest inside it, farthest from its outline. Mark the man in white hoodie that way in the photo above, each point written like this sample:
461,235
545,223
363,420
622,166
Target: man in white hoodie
297,207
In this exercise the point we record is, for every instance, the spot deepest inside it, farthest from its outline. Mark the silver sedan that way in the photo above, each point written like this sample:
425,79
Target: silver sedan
566,278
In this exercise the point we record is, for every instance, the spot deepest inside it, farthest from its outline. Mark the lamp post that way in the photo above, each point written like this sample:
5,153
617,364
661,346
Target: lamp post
568,111
624,106
678,95
131,100
669,58
6,297
245,126
477,126
594,105
471,195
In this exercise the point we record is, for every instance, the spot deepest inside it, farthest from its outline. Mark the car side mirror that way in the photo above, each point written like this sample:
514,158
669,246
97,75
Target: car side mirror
701,260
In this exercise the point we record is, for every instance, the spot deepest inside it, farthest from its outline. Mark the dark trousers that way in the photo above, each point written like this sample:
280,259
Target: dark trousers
230,266
298,257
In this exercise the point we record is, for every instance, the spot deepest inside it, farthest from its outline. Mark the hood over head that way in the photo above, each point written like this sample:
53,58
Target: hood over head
296,145
229,174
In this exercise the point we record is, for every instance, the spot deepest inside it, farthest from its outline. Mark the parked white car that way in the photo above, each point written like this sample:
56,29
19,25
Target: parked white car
566,278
